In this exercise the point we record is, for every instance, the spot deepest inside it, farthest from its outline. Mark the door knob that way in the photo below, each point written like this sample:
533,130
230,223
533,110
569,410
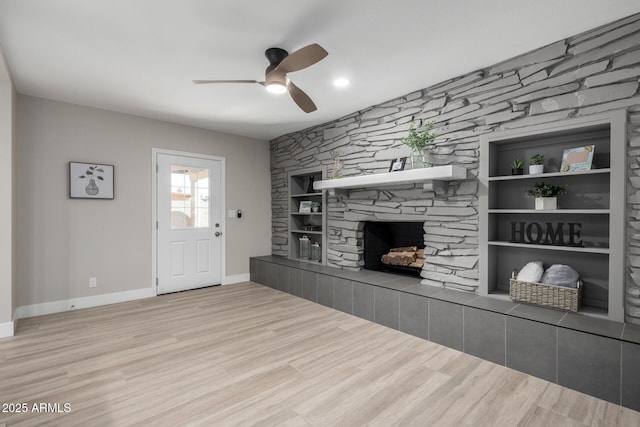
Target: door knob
218,234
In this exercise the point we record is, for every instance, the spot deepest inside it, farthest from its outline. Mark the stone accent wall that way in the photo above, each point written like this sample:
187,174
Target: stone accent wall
590,73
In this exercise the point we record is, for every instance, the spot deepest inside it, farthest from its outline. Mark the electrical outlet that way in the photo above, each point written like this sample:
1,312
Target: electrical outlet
93,282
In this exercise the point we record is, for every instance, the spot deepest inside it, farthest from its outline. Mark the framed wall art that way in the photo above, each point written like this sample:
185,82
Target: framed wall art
90,181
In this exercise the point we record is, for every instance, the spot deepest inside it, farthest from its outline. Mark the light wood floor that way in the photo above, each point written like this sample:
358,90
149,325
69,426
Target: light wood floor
249,355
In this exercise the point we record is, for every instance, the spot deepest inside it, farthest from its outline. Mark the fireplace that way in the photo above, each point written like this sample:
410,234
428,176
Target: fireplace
382,237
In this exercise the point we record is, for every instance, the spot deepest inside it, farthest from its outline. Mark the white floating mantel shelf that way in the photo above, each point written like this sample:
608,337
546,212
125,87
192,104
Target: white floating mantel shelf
413,176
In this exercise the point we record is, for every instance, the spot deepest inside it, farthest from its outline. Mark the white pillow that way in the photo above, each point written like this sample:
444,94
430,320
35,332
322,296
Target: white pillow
532,272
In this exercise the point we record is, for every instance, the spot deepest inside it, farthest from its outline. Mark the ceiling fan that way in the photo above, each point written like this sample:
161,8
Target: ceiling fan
281,63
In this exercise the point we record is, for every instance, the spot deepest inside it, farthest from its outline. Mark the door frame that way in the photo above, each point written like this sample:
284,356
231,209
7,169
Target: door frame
154,210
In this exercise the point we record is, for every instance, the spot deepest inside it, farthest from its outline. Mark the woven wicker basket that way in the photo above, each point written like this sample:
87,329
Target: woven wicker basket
547,295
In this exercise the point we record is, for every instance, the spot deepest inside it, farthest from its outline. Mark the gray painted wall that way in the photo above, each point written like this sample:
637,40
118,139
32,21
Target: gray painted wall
590,73
62,242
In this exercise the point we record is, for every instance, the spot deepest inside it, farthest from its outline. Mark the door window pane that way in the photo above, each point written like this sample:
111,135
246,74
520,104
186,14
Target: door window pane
189,197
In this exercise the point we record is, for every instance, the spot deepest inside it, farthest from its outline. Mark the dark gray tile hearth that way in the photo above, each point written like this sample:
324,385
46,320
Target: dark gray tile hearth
495,305
445,324
283,282
272,275
295,281
631,333
325,290
531,348
363,301
589,363
630,375
309,286
484,334
343,295
539,314
602,327
414,315
387,307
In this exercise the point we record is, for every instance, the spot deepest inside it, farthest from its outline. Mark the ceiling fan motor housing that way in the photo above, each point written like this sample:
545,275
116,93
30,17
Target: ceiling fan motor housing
274,55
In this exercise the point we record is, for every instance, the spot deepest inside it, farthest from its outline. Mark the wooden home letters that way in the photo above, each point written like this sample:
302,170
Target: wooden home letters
559,234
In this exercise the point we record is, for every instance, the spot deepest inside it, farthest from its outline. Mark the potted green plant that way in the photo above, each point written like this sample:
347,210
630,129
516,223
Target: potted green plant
546,196
536,164
517,167
419,143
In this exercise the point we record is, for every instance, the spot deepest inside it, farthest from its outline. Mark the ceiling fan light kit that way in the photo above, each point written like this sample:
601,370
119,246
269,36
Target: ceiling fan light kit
277,88
281,63
276,81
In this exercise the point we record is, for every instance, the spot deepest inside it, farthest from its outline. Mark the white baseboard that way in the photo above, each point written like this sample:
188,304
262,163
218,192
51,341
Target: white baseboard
238,278
6,329
82,302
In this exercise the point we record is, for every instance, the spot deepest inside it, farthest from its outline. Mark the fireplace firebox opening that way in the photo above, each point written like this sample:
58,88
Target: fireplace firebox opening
400,243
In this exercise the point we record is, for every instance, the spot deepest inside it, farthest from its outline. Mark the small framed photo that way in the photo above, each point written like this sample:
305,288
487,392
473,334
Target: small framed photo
397,164
90,181
577,159
305,206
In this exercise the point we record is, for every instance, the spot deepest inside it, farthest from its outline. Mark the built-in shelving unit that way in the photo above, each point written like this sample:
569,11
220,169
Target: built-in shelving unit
413,176
309,224
595,200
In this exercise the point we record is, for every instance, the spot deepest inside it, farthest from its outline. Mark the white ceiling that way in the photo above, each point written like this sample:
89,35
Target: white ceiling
139,56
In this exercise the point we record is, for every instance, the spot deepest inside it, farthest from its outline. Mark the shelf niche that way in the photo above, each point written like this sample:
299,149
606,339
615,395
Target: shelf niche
596,199
299,183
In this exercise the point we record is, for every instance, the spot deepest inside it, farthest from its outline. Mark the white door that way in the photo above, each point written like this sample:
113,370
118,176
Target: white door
189,227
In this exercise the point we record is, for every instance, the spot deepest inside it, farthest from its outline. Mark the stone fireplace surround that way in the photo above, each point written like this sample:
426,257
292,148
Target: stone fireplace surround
452,227
587,74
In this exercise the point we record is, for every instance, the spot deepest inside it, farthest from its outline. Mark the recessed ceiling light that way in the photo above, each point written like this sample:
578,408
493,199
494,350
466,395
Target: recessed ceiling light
341,82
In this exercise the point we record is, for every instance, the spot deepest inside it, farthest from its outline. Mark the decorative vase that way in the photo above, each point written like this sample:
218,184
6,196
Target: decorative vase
517,171
315,251
546,203
310,188
421,159
536,169
92,189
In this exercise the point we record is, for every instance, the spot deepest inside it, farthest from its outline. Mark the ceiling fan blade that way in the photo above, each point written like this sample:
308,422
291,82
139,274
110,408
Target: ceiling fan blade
302,58
300,98
226,81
